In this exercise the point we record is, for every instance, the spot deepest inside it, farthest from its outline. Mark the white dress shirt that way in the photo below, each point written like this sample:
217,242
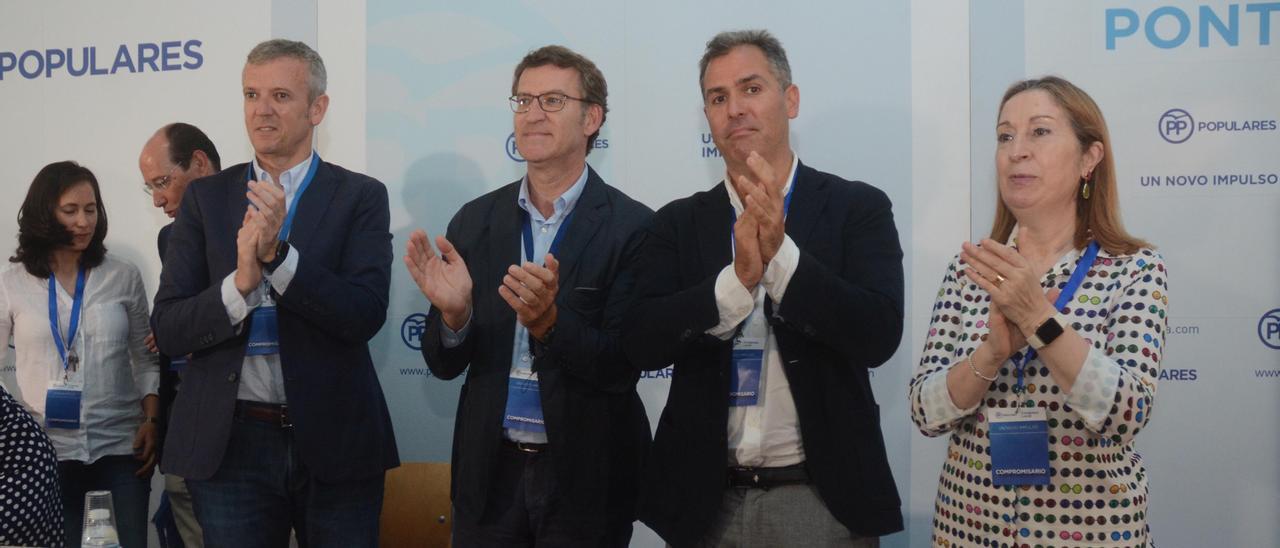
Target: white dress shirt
261,378
116,370
766,434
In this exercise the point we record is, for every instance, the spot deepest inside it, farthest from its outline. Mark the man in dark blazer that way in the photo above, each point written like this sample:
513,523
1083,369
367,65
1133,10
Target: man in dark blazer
773,294
527,299
175,155
276,276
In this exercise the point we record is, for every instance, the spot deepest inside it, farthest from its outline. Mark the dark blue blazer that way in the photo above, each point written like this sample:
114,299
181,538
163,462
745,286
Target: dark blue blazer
596,424
336,302
169,379
841,316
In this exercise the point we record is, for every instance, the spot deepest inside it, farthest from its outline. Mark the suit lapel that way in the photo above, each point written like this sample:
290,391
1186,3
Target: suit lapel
503,251
713,221
589,213
312,206
808,199
237,203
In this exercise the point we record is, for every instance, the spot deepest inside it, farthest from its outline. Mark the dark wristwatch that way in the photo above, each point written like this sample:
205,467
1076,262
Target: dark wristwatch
1048,332
282,251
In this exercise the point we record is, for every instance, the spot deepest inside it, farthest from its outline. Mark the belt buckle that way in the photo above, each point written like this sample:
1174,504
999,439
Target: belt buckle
284,417
743,471
524,448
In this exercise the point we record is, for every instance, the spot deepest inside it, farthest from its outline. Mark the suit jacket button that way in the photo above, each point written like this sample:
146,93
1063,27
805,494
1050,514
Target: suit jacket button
232,377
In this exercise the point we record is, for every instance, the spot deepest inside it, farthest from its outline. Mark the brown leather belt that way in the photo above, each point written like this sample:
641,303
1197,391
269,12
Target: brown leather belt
271,413
525,447
766,478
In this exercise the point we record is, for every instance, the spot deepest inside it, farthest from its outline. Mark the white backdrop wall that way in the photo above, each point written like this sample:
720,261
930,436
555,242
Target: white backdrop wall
901,95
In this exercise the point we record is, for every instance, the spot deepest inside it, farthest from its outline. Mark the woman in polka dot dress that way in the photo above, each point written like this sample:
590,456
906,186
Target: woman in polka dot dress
1092,378
30,501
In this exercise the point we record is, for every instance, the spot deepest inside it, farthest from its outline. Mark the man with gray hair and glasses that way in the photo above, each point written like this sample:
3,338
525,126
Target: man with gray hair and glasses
276,276
773,293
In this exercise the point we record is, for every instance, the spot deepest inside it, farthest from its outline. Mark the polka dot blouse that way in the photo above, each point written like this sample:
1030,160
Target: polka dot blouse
1097,495
30,502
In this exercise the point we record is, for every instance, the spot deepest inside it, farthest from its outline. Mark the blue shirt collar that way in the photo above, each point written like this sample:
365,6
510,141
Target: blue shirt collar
563,205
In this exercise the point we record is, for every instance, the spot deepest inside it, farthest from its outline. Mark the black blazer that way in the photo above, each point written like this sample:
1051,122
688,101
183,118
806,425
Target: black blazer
596,425
169,379
336,302
842,314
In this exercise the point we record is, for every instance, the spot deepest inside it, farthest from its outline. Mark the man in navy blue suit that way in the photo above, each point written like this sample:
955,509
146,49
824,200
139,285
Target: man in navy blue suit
276,276
773,293
175,155
526,295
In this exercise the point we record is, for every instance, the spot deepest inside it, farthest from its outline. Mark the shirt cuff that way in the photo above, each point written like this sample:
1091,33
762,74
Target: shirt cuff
452,339
238,306
1094,392
935,398
733,301
284,273
149,383
778,274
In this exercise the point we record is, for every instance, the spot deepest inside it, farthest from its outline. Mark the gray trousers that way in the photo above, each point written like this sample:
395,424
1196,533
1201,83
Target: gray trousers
183,513
785,516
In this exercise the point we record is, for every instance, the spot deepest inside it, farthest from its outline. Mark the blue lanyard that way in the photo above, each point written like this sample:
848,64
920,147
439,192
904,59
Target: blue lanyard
297,195
786,205
527,225
1077,276
75,314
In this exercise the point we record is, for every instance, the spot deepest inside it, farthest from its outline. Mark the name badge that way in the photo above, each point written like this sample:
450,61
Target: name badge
524,406
1019,446
62,407
264,332
748,361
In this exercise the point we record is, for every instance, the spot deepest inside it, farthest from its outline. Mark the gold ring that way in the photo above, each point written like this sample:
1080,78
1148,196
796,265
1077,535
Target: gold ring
999,279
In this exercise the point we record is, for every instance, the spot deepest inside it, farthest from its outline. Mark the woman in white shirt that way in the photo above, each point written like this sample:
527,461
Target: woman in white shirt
79,322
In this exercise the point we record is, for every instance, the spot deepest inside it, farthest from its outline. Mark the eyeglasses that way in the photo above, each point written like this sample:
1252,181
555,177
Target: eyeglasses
158,184
550,102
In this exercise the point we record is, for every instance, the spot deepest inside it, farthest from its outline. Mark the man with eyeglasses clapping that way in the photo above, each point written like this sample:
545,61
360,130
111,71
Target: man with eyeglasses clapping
525,292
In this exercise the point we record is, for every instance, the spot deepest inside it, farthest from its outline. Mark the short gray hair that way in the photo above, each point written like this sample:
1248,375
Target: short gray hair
723,43
279,47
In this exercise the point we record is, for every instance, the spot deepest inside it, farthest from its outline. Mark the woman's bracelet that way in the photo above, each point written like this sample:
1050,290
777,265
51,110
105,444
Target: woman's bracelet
974,369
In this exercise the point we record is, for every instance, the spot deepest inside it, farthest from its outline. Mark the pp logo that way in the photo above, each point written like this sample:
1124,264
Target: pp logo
1176,126
512,151
1269,329
412,329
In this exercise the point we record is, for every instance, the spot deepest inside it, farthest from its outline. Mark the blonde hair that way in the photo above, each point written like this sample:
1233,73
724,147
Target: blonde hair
1098,217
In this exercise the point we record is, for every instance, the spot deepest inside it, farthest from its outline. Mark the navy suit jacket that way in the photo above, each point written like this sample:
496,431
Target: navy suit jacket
596,424
335,303
841,316
169,379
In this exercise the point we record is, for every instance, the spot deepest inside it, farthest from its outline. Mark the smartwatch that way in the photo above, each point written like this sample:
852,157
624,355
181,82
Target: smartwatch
1048,332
